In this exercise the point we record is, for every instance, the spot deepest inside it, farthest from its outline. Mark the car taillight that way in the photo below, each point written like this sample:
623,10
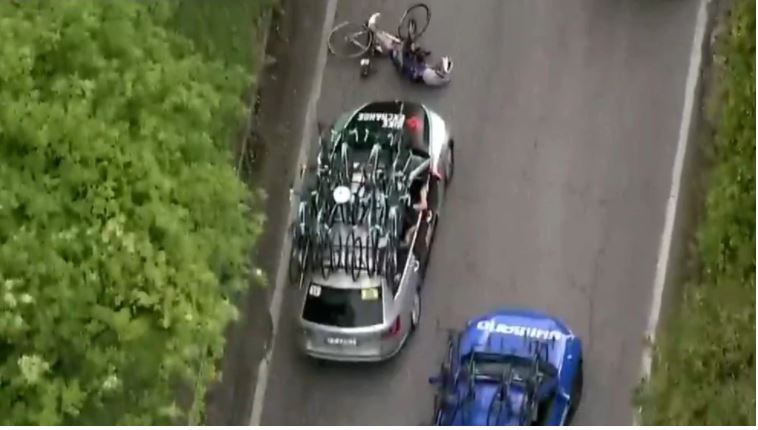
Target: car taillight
393,330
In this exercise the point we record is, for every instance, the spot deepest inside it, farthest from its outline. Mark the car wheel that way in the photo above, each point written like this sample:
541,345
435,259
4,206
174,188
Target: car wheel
416,311
430,246
450,163
576,393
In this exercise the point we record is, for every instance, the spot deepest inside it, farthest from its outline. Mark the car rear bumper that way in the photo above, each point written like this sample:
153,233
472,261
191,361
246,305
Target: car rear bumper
385,351
348,358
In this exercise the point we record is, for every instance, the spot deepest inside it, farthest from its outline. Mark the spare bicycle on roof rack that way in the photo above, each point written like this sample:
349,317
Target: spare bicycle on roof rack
365,221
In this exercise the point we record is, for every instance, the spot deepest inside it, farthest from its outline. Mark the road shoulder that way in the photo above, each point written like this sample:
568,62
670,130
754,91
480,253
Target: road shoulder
289,89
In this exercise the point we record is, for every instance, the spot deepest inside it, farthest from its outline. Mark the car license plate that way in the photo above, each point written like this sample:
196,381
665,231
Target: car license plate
342,341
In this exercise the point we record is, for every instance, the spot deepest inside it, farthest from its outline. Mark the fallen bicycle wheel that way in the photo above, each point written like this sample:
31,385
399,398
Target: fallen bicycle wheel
350,40
414,22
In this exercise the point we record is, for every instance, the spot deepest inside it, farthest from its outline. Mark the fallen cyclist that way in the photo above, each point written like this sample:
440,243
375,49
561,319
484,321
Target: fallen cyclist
410,59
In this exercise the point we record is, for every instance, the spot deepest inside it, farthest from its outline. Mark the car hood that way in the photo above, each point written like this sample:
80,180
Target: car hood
510,332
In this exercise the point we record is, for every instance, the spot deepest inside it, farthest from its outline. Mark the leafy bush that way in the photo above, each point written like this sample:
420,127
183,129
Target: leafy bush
704,372
123,227
222,29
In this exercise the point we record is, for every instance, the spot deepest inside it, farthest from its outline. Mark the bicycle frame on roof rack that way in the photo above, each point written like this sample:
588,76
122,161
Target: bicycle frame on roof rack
362,234
500,409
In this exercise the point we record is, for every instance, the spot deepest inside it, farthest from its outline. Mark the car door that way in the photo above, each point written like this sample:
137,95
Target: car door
422,243
428,224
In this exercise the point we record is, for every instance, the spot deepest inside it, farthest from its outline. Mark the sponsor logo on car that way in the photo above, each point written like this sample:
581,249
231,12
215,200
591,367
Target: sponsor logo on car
537,333
389,120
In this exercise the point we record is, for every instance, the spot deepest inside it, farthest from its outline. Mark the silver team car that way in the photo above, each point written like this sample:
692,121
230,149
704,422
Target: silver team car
364,228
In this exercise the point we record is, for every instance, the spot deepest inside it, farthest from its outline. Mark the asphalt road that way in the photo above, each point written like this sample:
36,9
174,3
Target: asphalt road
566,116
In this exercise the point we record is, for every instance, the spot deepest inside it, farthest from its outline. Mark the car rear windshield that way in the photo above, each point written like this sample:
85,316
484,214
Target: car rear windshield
343,307
495,365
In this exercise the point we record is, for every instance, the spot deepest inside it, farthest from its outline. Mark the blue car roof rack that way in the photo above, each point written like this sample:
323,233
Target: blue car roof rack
501,410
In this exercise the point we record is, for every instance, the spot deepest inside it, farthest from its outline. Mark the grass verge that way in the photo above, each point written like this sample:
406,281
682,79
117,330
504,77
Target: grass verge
230,31
704,362
225,30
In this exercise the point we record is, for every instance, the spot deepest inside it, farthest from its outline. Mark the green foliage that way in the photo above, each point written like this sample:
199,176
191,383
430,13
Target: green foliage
123,227
704,372
221,29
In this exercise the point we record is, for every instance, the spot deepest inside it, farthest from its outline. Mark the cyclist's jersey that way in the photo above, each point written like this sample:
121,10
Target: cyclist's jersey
417,70
409,64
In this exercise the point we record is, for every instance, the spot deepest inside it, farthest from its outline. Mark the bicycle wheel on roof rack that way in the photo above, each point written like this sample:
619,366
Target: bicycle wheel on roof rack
369,256
339,251
325,261
362,205
294,268
379,208
357,261
379,261
297,261
390,264
349,253
333,253
414,22
350,40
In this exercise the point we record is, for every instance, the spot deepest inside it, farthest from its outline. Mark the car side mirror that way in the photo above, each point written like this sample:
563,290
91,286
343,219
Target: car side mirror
435,380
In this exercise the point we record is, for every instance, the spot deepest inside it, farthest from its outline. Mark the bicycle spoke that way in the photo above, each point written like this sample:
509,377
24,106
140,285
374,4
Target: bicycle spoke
354,39
345,40
414,22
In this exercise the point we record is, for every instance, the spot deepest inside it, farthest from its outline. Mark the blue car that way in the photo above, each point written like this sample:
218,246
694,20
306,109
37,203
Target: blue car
510,367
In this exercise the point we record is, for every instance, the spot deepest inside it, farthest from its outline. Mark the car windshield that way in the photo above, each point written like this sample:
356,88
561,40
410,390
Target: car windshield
382,126
343,307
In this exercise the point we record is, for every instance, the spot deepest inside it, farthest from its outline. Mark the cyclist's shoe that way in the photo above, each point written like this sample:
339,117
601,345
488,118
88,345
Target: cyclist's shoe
371,24
365,67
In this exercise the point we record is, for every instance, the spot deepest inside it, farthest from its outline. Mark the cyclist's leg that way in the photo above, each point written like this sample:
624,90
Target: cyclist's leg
396,55
385,42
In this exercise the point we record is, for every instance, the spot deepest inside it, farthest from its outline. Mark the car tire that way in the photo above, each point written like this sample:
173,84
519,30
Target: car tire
430,246
416,311
576,393
450,163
